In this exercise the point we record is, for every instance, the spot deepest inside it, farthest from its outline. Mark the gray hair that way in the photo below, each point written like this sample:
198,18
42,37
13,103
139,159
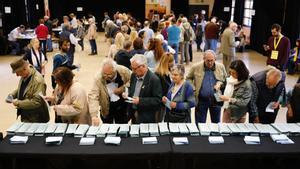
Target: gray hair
139,59
209,52
109,62
275,72
180,68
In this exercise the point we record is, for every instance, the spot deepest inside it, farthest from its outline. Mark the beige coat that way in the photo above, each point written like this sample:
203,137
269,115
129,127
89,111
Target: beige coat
196,75
228,44
74,107
98,96
91,34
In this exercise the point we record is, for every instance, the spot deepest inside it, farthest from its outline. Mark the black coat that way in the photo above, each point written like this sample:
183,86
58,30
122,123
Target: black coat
123,58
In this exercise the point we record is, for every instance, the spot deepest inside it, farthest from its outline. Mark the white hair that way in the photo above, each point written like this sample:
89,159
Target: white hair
209,52
139,59
109,62
184,20
275,72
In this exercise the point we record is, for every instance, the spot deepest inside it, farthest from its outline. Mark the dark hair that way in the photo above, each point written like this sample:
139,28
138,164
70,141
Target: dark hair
138,44
241,69
127,44
64,76
62,41
173,21
276,26
141,34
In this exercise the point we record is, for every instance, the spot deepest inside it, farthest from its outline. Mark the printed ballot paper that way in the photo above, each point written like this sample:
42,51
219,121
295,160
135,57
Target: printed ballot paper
87,141
18,140
112,140
180,140
150,140
252,140
216,140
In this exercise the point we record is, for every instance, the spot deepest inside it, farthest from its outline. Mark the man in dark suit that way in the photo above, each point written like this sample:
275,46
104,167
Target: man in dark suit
146,91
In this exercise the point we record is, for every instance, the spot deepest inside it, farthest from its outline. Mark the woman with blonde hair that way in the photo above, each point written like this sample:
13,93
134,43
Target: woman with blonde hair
35,56
133,35
114,48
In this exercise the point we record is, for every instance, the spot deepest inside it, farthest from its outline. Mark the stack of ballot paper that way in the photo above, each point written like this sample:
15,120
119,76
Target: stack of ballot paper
134,130
243,129
193,129
18,140
23,128
92,131
103,130
124,130
180,140
204,129
163,129
281,139
13,128
113,129
54,140
71,129
87,141
153,129
144,130
265,129
174,129
31,130
224,130
294,129
252,129
60,129
50,129
281,128
234,129
81,130
149,140
214,129
183,130
41,129
112,140
252,139
216,140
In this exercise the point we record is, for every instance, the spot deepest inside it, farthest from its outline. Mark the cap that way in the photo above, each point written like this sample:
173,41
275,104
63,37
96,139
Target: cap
18,65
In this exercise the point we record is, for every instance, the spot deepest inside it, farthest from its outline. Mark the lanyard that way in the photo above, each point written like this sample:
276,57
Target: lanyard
296,54
276,44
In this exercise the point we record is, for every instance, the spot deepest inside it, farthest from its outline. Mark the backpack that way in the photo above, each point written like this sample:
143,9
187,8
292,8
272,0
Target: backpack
187,35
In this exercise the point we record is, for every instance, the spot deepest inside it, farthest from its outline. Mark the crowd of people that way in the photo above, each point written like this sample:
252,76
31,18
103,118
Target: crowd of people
143,79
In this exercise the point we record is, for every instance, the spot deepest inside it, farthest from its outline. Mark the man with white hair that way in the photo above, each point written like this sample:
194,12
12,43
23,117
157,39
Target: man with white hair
146,91
268,88
207,77
228,45
108,86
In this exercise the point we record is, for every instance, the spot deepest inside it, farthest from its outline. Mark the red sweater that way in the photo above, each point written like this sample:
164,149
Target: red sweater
41,32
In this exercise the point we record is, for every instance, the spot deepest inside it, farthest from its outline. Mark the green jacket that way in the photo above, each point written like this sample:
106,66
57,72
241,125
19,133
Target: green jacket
33,107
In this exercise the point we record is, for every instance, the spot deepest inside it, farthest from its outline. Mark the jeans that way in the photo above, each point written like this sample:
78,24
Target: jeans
211,44
291,65
43,44
201,112
93,46
15,47
49,44
175,46
185,56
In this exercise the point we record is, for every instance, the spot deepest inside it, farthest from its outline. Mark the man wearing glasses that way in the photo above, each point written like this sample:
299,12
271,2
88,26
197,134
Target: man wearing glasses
145,91
106,94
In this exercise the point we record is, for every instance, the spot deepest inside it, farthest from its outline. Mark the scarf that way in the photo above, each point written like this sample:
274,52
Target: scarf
229,89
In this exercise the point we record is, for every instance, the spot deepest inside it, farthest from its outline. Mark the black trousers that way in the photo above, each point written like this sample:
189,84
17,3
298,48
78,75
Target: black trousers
267,117
117,113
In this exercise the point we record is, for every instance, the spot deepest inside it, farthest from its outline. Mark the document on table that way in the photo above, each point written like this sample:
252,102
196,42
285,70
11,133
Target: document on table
110,88
215,139
23,128
144,129
180,140
124,130
193,129
281,139
81,130
112,140
92,131
153,129
150,140
54,140
71,129
31,130
269,108
41,129
61,129
134,130
18,140
252,140
87,141
103,130
13,128
163,128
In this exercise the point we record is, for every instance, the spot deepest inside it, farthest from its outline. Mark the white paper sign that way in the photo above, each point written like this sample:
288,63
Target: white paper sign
7,9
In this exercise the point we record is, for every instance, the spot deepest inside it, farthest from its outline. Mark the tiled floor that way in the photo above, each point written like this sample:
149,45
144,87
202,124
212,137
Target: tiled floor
91,64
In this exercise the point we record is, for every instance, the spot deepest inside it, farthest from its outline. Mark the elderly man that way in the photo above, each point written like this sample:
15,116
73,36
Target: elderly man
207,77
12,38
28,97
268,89
146,91
106,93
228,45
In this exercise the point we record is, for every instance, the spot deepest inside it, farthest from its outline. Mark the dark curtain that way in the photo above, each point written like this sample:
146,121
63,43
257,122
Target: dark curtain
180,7
239,11
36,11
266,14
218,10
291,25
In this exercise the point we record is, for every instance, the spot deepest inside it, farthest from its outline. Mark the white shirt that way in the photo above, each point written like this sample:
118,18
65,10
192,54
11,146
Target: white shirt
12,36
74,23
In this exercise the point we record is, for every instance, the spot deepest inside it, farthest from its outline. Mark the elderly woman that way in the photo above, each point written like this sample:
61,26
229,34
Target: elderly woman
69,98
237,93
35,56
180,97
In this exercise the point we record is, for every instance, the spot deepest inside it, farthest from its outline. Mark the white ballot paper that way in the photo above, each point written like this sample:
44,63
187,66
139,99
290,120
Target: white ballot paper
281,139
61,129
103,130
153,129
183,129
113,129
71,129
144,130
13,128
31,130
163,128
53,140
124,130
112,140
18,140
23,128
193,129
174,129
180,140
110,88
50,129
81,130
204,129
150,140
41,129
134,130
252,140
216,140
269,108
87,141
92,131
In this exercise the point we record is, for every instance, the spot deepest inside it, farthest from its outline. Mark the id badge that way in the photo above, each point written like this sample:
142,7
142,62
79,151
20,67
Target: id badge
274,54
